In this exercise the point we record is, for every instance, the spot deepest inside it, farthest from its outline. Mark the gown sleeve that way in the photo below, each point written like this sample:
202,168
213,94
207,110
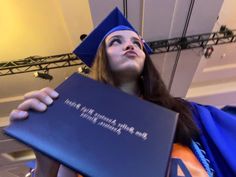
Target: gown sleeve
218,137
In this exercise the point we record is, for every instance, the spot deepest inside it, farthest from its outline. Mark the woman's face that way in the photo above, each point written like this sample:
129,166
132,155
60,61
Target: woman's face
125,52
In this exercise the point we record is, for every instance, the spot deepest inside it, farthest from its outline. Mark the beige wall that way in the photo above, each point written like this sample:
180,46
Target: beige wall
30,27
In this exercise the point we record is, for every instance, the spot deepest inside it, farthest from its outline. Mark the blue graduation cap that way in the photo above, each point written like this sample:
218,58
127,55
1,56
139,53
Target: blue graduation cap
115,21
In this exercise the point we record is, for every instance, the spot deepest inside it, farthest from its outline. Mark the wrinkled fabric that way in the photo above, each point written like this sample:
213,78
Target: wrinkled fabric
218,138
185,163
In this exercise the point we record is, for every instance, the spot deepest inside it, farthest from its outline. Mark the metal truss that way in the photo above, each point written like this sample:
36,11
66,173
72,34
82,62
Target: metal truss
194,41
36,63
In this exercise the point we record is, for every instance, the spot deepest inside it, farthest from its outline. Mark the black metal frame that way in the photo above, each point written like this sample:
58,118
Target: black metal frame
194,41
35,63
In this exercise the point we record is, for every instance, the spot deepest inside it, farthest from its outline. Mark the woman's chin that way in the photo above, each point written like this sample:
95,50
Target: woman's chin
129,71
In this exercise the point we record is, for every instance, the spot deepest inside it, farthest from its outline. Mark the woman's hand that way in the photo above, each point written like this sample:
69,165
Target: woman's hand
38,101
46,167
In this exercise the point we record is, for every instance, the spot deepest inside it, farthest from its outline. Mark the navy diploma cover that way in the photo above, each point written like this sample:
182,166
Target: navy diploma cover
101,131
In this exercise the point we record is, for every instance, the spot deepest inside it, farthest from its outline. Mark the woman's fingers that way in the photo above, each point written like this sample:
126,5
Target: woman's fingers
32,103
50,92
36,100
21,111
18,115
45,95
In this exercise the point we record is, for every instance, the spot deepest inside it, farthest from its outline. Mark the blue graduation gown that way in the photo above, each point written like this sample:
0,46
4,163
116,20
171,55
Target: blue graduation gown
218,138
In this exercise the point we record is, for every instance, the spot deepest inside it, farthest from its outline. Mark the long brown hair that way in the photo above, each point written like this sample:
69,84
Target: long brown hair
154,90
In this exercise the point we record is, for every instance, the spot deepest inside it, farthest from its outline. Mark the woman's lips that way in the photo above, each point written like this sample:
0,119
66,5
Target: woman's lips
130,54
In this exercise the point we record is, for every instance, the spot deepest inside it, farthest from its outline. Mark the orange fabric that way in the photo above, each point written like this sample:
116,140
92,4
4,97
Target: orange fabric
189,159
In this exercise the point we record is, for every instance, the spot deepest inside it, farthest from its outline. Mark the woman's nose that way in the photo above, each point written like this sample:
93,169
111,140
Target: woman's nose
129,46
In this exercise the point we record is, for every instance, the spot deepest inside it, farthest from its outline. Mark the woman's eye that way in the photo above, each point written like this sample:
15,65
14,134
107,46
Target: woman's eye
137,43
115,41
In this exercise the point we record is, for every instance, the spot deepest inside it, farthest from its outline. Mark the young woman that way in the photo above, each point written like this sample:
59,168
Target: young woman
122,60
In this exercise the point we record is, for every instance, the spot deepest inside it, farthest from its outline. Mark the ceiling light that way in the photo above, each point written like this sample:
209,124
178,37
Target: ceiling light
226,31
208,52
43,75
83,36
84,70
